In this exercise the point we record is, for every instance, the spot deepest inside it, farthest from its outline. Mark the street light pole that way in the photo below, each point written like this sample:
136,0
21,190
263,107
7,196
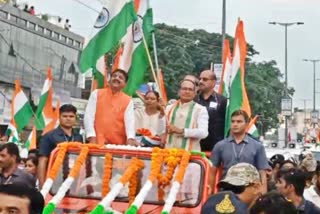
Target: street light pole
314,61
286,25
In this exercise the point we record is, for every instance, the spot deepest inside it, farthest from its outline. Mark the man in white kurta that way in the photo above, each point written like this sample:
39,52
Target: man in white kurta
188,121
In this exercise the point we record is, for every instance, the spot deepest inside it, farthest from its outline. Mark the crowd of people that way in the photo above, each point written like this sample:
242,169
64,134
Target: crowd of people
249,182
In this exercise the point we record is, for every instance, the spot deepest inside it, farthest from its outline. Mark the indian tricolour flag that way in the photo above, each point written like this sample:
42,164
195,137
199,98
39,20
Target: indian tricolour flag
226,70
111,25
133,57
252,129
100,74
238,98
12,133
21,108
44,111
31,142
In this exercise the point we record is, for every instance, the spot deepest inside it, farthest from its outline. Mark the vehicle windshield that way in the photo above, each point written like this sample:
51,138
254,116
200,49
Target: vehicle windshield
88,185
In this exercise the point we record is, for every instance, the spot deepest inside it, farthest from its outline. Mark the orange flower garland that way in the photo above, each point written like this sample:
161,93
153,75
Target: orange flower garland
58,162
134,166
156,163
63,148
107,174
133,186
171,159
183,167
79,162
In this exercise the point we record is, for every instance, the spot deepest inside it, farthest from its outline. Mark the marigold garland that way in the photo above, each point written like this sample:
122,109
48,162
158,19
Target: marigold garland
134,166
171,159
58,162
133,186
79,162
183,167
156,163
107,174
63,148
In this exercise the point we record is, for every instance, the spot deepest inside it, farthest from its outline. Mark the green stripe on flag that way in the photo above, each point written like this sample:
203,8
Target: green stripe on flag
23,116
107,38
235,100
99,77
40,122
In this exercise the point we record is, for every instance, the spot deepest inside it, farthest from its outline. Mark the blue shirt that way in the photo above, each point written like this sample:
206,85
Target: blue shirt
228,153
50,140
210,206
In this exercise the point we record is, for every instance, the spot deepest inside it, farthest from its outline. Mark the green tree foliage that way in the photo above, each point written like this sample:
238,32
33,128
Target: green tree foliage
182,52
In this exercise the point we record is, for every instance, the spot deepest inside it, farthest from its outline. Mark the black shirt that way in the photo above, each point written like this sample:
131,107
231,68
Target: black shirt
50,140
216,106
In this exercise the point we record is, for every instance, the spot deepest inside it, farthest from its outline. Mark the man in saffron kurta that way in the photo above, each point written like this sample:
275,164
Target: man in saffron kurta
109,116
188,121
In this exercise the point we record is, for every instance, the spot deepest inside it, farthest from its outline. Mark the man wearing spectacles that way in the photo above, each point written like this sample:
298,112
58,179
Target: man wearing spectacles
216,107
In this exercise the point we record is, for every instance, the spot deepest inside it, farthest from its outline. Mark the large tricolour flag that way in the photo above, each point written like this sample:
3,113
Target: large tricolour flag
238,98
111,25
44,111
21,109
133,57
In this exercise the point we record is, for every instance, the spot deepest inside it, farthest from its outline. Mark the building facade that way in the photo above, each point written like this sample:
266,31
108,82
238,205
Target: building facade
28,45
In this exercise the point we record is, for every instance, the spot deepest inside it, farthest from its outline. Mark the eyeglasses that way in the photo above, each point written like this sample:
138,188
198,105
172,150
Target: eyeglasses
205,79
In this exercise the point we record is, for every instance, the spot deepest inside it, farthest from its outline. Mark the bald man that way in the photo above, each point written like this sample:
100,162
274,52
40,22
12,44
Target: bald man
216,107
194,79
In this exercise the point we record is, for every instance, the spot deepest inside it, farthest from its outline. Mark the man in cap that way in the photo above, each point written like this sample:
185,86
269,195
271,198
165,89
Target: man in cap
244,185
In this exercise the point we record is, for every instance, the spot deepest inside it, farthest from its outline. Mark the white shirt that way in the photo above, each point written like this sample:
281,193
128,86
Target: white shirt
155,123
90,115
201,131
311,195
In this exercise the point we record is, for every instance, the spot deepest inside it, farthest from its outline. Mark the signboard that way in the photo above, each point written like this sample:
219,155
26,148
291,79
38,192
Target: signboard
286,106
217,68
6,93
314,116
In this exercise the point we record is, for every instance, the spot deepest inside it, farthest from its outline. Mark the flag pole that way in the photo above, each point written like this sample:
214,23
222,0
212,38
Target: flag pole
156,60
150,60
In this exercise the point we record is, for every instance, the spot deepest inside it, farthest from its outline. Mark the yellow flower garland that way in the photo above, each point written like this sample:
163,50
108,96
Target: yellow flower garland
107,174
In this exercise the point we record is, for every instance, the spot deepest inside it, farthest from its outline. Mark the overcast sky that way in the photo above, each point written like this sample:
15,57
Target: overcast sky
303,40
